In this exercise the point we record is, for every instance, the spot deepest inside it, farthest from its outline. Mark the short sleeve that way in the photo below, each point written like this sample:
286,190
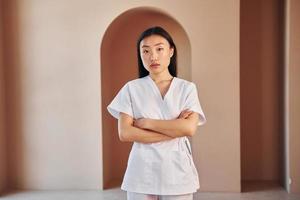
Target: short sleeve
121,103
192,103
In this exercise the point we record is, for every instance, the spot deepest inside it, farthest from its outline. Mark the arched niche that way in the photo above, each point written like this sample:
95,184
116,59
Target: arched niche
119,64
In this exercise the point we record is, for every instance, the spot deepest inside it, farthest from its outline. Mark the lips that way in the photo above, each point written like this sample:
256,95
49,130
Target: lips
154,65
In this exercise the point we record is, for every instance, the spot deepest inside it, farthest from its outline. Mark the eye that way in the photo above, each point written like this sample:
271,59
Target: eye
160,49
145,51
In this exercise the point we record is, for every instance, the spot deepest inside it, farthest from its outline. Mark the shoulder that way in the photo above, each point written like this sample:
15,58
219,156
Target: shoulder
185,84
134,84
137,81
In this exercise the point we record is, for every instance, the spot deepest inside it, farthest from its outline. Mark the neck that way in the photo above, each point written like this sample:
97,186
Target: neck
161,76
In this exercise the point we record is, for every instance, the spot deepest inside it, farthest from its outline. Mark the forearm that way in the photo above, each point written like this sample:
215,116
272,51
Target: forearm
134,134
173,128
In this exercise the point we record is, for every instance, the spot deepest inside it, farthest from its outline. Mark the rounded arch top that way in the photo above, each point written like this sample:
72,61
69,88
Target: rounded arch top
128,25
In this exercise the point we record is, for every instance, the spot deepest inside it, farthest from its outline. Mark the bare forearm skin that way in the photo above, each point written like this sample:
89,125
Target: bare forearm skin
134,134
172,128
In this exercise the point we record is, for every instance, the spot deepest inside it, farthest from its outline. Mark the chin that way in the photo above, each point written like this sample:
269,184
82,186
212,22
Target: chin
155,71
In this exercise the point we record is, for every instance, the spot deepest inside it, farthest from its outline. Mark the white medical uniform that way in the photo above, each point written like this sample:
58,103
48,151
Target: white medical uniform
161,168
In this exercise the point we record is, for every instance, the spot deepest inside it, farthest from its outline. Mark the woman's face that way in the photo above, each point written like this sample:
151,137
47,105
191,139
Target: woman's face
155,53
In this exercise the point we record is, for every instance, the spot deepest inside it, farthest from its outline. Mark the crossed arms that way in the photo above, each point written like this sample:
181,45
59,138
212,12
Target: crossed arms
151,130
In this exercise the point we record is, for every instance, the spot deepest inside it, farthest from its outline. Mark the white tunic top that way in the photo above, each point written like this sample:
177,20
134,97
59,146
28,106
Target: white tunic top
162,168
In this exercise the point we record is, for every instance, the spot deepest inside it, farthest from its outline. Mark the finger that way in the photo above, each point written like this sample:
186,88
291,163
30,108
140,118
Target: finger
182,114
187,114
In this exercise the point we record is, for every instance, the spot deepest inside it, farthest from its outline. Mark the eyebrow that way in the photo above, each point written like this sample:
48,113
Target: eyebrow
154,45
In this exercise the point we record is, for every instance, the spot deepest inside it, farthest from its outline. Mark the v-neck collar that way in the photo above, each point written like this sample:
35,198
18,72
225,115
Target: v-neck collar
157,89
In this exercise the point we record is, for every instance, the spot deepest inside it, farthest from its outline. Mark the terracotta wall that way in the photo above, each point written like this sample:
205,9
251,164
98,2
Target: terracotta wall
3,158
261,84
13,96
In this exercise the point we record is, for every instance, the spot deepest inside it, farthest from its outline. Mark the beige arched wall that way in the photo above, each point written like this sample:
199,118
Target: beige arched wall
56,99
53,113
215,70
119,64
58,141
51,116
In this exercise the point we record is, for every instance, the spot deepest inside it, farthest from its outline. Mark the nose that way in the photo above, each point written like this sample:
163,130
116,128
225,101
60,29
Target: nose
153,56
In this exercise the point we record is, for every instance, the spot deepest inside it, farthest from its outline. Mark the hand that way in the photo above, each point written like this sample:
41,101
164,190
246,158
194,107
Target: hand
141,123
185,114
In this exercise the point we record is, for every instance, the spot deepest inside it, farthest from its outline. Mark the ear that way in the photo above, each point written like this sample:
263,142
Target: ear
171,52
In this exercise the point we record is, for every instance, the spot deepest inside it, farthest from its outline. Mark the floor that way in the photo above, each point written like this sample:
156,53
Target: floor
252,192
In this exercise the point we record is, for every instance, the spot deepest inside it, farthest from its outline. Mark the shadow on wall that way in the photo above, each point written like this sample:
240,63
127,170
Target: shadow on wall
119,64
14,141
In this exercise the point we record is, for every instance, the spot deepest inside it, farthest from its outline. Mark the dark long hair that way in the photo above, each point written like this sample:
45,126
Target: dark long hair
157,30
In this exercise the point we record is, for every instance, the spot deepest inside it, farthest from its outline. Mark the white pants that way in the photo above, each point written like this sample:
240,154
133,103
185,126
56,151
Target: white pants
139,196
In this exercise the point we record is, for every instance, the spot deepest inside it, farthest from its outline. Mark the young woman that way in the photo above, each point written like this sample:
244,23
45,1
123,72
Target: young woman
157,112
